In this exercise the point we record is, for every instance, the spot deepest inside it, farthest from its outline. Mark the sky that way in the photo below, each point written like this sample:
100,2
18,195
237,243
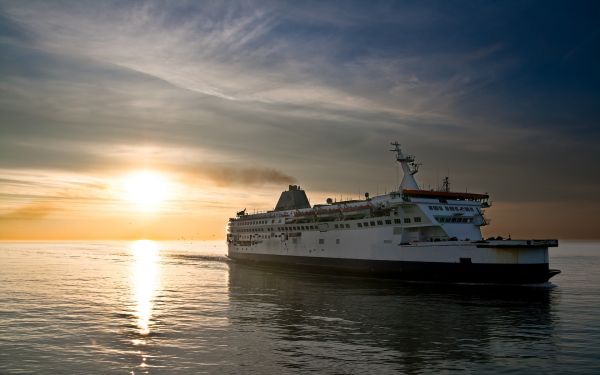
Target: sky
229,102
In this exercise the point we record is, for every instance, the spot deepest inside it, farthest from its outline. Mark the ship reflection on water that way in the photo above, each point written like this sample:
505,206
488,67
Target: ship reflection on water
348,324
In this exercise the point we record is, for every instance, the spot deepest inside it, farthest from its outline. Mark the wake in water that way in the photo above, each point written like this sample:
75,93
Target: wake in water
201,257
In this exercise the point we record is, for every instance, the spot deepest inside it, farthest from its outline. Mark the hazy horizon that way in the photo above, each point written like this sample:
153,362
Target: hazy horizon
162,120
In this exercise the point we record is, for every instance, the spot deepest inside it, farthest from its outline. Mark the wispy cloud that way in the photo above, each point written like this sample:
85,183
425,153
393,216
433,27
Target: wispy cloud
32,211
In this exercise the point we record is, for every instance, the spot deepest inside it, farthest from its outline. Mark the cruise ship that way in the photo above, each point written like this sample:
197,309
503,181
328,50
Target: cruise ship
411,234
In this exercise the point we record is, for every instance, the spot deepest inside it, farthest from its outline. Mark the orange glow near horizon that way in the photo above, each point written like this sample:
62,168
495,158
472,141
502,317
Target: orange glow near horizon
171,204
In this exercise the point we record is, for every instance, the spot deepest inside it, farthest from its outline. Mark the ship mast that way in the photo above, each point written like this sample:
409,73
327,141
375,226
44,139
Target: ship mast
409,168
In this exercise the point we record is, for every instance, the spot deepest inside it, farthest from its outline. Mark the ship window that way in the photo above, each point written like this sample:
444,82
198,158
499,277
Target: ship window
372,223
359,225
335,225
388,222
347,225
321,241
417,219
431,207
337,241
366,224
379,222
407,220
312,227
397,221
446,208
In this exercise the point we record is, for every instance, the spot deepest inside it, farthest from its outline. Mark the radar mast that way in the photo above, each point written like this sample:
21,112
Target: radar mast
409,168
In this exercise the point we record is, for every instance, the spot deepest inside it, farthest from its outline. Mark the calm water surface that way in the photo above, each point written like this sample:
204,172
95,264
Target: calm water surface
182,308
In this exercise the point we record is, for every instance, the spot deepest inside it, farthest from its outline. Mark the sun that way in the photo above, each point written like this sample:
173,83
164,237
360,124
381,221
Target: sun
146,190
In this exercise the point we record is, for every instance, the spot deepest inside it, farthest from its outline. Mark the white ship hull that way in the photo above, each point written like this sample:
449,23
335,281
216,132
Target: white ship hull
379,251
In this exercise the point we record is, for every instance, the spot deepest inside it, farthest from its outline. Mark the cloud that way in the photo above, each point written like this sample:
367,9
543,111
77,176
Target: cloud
31,211
311,90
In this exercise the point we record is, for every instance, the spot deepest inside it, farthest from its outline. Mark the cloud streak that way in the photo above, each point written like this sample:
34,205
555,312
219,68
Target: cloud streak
32,211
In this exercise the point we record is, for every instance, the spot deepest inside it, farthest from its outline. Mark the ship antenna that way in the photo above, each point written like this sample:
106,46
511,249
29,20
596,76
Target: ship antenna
446,184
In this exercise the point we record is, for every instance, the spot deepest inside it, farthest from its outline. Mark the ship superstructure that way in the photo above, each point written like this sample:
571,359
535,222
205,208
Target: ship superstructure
410,233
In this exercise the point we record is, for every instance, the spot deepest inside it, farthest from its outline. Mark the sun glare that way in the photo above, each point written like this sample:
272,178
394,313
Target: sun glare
147,190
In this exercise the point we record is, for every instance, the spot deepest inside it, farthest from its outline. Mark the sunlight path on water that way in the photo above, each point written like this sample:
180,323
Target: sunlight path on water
145,277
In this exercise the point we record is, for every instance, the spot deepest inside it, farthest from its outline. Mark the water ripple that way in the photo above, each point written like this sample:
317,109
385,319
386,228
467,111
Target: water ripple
117,307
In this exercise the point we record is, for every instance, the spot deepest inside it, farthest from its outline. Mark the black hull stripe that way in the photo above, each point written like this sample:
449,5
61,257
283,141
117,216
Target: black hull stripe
415,271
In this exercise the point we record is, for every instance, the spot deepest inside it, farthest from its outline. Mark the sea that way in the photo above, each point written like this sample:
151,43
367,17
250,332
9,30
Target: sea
147,307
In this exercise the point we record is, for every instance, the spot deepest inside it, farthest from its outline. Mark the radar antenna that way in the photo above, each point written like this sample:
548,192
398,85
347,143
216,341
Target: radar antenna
414,167
446,184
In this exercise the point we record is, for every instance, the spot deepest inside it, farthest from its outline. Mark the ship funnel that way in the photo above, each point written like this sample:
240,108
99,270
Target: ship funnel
293,199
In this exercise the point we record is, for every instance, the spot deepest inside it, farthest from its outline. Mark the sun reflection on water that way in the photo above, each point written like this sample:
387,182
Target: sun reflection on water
145,279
